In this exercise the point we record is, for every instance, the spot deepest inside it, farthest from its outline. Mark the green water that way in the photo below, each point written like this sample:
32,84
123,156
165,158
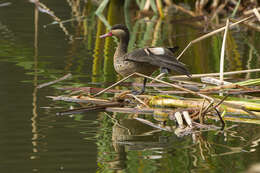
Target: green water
34,139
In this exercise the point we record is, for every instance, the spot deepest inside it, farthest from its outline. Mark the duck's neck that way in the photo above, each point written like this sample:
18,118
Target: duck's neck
122,47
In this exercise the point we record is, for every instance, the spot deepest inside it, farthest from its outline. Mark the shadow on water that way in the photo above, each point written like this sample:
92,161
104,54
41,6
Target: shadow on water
34,139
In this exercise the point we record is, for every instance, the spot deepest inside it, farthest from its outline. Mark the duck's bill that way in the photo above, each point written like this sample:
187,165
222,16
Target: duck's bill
109,34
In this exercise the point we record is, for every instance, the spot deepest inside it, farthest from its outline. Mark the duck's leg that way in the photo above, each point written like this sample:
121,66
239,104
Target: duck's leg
135,92
164,70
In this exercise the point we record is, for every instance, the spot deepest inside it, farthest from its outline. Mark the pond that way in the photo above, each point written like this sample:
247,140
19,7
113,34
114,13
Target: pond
33,50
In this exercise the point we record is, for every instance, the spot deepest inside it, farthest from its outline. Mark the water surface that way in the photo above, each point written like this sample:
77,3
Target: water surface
35,139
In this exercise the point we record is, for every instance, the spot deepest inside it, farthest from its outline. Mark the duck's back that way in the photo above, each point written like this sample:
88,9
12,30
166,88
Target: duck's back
147,60
130,63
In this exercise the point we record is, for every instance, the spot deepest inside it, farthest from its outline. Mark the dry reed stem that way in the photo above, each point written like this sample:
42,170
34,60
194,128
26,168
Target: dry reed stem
250,11
221,68
147,5
215,74
212,33
256,14
160,8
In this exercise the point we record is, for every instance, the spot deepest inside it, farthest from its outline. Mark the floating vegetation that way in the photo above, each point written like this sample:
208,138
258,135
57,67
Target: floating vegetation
189,113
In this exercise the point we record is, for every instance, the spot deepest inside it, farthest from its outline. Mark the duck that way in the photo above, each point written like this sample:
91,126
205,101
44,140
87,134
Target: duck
142,60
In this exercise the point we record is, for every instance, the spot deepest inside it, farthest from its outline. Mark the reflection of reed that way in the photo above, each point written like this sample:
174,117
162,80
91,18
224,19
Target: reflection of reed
252,54
203,148
255,143
75,7
97,62
34,112
44,9
232,54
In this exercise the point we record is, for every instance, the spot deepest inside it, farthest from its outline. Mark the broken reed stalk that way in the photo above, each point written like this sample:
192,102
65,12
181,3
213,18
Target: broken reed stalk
212,33
221,68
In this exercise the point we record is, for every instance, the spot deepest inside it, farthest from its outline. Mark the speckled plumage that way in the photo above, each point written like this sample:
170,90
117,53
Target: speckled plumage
142,60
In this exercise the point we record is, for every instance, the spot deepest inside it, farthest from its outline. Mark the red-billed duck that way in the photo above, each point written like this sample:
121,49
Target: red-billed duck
142,60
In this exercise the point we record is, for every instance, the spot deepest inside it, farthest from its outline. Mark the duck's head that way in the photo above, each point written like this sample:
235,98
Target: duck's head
119,31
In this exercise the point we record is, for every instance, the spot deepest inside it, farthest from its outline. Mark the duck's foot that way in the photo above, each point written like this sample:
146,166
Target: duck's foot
137,92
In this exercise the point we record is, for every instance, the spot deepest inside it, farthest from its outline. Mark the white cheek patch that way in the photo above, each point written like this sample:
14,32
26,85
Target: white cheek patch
118,31
157,50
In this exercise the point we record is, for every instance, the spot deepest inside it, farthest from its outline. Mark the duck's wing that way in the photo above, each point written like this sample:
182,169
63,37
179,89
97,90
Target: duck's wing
157,56
173,49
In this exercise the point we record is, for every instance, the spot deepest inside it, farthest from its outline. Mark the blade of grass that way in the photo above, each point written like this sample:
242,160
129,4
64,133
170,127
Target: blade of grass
236,8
